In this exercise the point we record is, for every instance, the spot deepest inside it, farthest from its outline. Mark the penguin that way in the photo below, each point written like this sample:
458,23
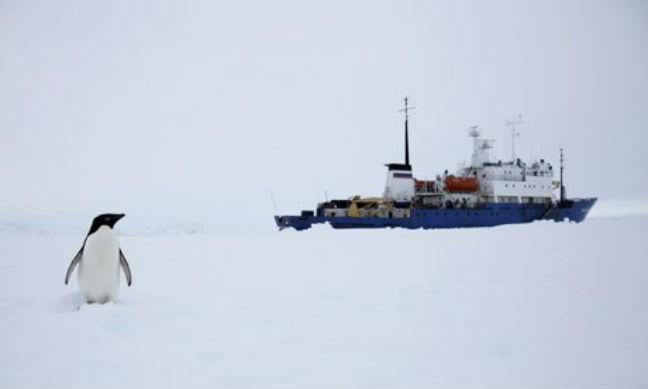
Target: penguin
99,260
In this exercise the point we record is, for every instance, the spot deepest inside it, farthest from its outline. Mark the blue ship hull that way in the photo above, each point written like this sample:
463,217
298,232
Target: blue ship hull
487,215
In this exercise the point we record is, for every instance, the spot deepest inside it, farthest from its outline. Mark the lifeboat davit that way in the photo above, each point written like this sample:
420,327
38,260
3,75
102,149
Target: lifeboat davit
461,184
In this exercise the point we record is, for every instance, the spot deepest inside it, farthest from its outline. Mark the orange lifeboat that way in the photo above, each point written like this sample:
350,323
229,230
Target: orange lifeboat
461,184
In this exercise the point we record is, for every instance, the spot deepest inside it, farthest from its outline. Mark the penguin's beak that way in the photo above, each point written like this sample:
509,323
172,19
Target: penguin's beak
121,215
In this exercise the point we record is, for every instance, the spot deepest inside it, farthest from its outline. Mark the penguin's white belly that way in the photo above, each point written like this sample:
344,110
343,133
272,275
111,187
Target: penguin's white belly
99,267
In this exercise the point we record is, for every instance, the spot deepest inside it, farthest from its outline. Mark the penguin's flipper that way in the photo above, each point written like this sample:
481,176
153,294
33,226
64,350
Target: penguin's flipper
73,264
125,267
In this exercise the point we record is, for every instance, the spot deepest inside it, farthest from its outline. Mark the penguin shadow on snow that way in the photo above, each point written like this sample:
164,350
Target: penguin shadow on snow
70,302
75,301
99,262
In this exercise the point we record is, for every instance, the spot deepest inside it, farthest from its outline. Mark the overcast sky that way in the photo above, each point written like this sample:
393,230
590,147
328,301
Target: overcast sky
195,111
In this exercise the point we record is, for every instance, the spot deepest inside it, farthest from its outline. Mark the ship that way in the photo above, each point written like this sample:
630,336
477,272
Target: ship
485,193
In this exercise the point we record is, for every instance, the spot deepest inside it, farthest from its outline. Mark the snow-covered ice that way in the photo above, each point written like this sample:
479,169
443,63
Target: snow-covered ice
540,305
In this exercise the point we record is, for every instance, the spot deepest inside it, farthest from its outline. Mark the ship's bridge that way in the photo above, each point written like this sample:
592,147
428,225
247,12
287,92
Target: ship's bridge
511,181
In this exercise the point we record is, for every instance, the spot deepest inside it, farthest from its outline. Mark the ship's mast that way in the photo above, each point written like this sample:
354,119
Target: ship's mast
406,110
514,133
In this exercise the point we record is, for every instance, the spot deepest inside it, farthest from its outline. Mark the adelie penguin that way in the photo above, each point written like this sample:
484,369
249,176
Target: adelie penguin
99,260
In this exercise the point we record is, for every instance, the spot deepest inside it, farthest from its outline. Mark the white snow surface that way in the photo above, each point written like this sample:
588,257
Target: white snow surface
539,305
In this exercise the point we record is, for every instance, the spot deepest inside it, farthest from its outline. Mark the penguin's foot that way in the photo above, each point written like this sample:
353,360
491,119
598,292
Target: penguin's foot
101,300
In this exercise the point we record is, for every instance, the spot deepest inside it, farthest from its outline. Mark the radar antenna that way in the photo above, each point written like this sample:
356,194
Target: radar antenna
406,110
473,132
514,133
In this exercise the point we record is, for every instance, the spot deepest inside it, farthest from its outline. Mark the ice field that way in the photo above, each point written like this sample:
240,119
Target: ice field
539,305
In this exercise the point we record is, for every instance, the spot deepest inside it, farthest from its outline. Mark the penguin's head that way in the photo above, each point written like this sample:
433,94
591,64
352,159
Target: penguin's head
105,219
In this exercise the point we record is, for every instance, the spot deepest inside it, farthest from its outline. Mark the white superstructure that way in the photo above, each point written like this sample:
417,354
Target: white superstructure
512,181
400,183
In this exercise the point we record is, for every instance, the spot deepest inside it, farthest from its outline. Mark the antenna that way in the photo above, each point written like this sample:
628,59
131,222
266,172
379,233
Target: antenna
274,202
473,132
514,133
406,110
562,187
